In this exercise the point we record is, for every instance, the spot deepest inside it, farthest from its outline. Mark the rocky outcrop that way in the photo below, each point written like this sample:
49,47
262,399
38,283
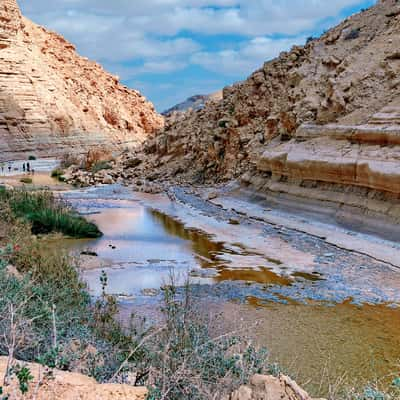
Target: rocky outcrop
316,130
352,169
344,77
263,387
320,122
52,100
58,385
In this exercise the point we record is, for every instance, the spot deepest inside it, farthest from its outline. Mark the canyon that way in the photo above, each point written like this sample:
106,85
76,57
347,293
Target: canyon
53,101
280,191
319,126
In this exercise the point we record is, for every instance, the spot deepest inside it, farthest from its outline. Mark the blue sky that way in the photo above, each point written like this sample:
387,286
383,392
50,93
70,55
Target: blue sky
172,49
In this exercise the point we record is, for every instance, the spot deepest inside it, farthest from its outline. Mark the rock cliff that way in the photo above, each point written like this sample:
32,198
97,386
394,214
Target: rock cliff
52,100
320,122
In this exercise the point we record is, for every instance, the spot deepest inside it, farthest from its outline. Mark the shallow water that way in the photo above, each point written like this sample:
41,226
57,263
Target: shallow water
322,340
321,345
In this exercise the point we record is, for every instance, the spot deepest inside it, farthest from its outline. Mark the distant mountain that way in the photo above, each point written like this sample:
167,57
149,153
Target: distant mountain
196,102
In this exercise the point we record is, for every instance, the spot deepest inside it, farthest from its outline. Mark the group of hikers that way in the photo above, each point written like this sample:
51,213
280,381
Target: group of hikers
26,167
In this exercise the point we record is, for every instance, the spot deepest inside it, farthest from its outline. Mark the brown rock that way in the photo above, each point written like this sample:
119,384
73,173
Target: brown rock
53,100
59,385
263,387
318,84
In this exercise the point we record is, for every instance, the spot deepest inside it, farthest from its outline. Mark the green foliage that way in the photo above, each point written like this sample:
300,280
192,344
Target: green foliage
51,292
396,383
187,362
24,377
46,214
32,158
57,174
373,394
27,181
99,166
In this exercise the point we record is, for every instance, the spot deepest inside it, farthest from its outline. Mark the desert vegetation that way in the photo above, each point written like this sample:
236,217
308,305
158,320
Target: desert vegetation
47,316
47,214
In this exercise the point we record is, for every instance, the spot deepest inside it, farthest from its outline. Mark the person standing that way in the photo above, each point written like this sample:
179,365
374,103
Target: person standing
28,167
23,167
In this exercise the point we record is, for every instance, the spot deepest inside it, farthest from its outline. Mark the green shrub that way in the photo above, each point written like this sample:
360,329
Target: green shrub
32,158
50,313
27,181
46,214
57,174
188,362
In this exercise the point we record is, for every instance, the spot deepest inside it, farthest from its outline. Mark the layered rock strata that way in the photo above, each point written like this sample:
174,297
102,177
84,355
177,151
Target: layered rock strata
320,122
344,77
353,170
53,101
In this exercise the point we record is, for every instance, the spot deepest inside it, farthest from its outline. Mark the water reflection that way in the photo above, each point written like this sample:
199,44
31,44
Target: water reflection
310,341
256,275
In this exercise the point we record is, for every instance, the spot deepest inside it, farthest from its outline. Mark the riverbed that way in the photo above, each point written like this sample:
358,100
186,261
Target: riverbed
329,316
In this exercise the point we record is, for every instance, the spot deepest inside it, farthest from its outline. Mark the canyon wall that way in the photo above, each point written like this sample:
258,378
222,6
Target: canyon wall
320,122
54,101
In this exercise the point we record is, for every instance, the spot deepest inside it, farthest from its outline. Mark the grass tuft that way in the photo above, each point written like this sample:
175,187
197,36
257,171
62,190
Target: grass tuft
46,214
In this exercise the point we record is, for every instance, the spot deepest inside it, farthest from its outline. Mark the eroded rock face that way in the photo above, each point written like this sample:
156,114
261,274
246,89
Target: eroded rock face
344,77
320,122
52,100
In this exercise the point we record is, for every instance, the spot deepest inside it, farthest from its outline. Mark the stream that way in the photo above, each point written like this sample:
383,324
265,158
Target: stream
328,316
331,324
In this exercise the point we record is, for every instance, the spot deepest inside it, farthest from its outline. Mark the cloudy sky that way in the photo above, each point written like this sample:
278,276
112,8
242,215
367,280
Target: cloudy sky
172,49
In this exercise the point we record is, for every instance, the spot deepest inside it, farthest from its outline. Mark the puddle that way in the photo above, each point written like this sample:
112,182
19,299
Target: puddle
356,344
260,275
141,247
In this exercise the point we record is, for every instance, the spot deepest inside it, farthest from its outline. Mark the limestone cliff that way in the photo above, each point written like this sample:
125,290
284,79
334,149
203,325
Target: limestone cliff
52,100
320,122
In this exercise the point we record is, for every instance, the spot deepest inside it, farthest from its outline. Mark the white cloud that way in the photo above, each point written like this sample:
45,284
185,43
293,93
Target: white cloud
245,58
132,37
245,17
